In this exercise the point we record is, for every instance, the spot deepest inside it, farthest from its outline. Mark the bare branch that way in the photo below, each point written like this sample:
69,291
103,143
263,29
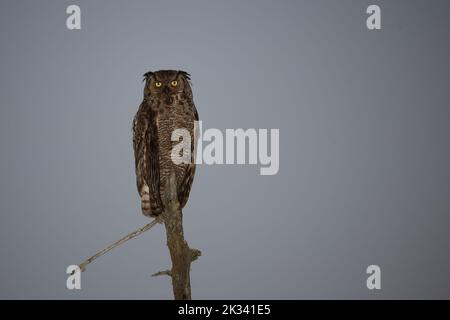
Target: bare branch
162,273
129,236
180,253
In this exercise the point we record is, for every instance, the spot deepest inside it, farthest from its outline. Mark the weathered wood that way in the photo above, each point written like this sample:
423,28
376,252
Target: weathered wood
180,253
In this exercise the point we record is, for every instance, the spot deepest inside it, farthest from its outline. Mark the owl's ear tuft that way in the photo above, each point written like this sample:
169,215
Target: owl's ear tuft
185,74
147,76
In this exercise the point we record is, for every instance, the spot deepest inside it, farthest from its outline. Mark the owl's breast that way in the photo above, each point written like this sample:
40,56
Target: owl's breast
170,118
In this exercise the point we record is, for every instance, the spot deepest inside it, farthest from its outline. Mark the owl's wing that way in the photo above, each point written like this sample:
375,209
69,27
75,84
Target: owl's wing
146,154
186,184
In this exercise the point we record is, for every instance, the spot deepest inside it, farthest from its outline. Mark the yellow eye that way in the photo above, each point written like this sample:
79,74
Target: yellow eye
174,83
158,84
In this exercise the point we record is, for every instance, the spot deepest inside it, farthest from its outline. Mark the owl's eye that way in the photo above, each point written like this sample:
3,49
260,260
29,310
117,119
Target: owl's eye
158,84
174,83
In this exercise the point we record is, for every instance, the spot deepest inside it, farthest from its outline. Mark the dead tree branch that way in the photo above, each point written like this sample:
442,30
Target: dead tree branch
162,273
129,236
180,253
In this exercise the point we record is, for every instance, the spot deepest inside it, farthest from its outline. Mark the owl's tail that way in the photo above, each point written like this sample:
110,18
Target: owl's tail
145,202
149,206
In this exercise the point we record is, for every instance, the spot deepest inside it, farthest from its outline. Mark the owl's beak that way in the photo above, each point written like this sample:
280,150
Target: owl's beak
168,100
165,90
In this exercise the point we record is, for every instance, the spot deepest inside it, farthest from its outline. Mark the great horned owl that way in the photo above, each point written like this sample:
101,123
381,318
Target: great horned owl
167,105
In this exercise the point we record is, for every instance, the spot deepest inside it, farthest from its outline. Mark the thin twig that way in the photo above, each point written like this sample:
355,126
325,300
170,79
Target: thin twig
162,273
129,236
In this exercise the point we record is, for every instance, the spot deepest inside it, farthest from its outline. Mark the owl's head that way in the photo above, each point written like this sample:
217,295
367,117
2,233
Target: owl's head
165,84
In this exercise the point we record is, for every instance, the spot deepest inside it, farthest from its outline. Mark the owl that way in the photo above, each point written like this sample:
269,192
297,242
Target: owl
167,105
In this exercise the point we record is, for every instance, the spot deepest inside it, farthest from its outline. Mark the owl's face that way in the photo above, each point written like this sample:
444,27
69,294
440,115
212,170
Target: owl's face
165,84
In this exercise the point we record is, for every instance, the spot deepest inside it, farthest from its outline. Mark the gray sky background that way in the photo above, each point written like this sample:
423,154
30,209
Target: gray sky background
364,147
